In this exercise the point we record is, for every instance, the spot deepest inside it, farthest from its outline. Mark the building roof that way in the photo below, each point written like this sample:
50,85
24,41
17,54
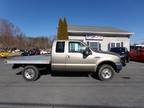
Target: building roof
97,29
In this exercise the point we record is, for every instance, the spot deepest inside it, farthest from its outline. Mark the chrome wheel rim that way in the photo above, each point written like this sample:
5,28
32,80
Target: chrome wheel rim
29,73
106,73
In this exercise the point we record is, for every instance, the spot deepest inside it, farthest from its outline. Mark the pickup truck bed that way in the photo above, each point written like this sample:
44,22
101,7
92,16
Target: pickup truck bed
39,59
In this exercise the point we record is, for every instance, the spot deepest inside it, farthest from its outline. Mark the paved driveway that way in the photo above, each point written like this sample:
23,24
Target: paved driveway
126,89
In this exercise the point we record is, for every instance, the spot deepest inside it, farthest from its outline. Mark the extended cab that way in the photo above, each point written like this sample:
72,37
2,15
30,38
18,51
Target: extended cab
70,56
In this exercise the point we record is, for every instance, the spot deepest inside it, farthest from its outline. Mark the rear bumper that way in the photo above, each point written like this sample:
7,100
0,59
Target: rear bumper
118,67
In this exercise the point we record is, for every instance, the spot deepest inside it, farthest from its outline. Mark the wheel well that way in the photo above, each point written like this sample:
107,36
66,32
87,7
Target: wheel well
15,66
107,62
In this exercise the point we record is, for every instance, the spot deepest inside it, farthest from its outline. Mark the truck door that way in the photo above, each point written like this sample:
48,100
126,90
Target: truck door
75,60
58,56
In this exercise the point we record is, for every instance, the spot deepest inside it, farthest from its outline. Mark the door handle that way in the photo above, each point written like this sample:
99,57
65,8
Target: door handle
68,56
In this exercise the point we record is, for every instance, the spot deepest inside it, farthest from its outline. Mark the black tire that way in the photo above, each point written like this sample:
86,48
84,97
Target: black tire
128,59
30,73
124,62
105,74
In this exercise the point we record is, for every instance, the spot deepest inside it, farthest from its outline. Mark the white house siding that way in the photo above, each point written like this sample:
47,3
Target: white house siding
81,38
105,41
100,38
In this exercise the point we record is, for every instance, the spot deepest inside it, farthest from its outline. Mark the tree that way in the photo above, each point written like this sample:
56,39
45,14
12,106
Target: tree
12,37
65,27
8,31
62,33
20,41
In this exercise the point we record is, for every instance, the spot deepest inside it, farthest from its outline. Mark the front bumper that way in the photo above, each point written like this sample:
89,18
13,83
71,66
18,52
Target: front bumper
118,67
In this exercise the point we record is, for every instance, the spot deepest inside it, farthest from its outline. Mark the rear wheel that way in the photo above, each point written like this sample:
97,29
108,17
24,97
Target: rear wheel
30,73
105,72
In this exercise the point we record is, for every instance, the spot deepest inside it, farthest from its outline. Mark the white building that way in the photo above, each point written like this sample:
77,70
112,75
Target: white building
100,38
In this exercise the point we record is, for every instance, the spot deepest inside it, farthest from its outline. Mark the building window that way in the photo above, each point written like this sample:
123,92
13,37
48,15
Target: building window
112,45
96,46
118,45
115,44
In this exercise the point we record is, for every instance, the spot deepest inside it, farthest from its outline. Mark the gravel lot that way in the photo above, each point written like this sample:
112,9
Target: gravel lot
126,89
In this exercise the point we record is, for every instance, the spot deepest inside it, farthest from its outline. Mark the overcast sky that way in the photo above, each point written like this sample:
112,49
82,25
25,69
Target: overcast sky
40,17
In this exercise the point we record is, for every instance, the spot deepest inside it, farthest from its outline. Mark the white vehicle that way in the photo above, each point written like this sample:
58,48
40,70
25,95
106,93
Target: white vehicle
43,52
140,45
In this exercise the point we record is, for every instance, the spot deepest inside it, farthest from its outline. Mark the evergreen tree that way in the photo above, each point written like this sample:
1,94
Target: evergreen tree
65,29
62,33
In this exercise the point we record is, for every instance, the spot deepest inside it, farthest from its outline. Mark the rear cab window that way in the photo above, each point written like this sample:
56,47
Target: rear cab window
60,46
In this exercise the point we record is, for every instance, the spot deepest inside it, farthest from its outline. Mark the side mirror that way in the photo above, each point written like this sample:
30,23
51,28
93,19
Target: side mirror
87,52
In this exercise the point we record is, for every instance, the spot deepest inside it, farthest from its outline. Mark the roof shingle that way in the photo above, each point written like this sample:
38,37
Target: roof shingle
97,29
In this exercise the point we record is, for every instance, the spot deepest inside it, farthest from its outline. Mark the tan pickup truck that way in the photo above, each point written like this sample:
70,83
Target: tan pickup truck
69,56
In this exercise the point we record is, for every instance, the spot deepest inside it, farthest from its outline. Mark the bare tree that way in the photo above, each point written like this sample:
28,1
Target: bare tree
12,37
7,33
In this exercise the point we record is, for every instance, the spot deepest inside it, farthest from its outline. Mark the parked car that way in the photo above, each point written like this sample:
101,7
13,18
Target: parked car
25,53
4,54
34,52
123,52
137,53
31,52
43,52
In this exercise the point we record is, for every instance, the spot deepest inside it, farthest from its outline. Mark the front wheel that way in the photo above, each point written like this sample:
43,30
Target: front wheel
128,59
30,73
105,72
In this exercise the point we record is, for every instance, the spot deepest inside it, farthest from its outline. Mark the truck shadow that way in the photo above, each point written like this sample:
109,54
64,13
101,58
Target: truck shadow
64,74
69,74
61,74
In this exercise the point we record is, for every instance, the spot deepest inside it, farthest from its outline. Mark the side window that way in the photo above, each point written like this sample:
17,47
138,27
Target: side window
96,46
75,47
118,45
60,47
112,45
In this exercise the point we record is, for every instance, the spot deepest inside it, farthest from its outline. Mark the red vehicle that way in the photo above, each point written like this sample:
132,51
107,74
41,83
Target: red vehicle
137,53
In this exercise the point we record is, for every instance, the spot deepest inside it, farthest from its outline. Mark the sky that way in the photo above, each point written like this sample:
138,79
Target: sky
40,17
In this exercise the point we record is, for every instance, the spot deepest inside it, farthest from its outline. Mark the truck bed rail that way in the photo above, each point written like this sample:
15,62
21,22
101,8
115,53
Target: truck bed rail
39,59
